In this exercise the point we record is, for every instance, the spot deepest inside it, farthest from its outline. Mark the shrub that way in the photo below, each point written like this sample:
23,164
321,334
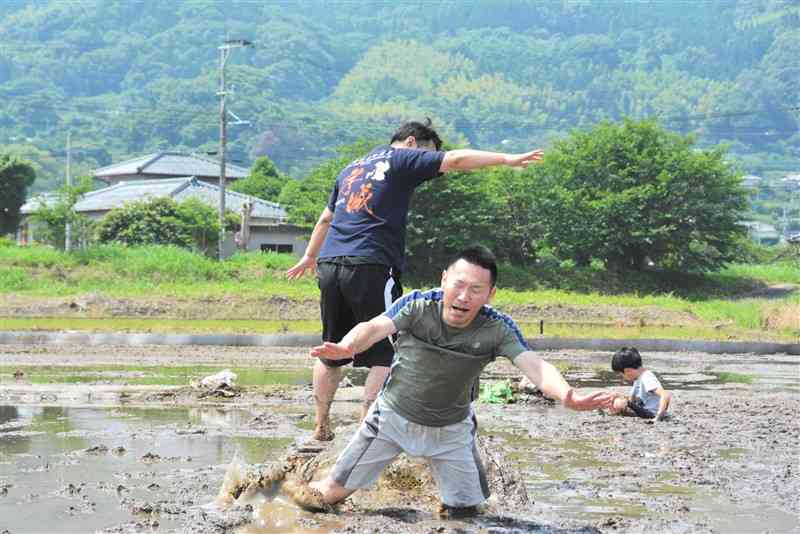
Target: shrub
163,221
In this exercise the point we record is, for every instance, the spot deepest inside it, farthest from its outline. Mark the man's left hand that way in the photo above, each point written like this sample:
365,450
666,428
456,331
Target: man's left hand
332,351
657,418
601,399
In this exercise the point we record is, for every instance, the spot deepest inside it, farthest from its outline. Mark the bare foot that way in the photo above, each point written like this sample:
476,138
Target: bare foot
304,495
323,433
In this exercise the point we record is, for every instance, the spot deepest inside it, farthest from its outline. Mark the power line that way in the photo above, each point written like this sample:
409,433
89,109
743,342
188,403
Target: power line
167,115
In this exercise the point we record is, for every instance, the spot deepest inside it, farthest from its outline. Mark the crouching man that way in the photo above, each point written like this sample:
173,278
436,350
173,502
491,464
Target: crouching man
446,337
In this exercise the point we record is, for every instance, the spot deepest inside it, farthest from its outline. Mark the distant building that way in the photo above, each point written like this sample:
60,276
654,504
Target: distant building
154,176
791,181
751,181
763,233
168,165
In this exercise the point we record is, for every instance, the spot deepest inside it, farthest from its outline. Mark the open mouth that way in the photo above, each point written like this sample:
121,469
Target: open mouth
459,309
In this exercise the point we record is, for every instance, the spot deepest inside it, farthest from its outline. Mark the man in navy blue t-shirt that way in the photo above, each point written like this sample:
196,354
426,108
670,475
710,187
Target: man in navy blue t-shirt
358,246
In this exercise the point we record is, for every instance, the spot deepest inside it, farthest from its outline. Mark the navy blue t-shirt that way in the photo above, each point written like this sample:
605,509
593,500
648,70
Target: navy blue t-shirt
370,204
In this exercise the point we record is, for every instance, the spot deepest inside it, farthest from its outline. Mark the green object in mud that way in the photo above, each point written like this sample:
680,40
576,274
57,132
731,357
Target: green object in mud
497,393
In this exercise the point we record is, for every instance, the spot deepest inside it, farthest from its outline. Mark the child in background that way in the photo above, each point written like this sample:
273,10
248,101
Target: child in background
648,399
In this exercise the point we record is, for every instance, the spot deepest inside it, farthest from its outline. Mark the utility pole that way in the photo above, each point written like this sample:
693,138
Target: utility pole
68,229
224,52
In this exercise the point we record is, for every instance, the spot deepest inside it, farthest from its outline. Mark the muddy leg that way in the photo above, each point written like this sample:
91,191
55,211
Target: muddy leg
375,379
326,381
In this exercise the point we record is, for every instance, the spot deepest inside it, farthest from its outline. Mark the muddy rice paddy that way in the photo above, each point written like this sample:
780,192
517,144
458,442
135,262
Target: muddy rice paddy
115,439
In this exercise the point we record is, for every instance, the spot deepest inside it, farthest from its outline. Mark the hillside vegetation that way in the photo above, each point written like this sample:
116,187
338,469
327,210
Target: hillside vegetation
128,78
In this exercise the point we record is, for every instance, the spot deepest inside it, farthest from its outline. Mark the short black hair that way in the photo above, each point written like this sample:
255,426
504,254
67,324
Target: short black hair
626,358
480,256
421,131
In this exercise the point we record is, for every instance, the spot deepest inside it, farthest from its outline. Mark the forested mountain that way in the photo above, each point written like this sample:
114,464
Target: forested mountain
129,77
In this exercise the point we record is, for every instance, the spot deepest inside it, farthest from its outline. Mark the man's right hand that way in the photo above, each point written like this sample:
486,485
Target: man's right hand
332,351
306,263
600,399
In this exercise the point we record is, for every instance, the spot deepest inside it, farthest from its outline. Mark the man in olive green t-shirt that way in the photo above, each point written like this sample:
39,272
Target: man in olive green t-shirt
445,339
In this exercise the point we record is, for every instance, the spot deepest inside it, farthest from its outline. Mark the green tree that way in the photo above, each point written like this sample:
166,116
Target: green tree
517,72
201,222
627,192
490,206
16,176
265,181
163,221
51,218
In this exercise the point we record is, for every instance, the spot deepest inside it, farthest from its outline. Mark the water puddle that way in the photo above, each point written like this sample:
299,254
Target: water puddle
759,376
722,515
83,469
279,516
732,453
146,375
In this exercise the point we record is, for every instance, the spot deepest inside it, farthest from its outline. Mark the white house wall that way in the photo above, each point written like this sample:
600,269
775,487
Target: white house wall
260,235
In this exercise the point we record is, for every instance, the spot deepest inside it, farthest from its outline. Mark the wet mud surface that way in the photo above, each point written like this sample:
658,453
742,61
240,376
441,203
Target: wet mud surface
116,439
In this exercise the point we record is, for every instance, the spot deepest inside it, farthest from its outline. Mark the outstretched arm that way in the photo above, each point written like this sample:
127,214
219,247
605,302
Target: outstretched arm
552,384
359,339
467,159
309,259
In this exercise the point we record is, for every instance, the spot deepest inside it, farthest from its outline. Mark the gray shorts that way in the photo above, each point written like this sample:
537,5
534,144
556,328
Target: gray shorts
451,450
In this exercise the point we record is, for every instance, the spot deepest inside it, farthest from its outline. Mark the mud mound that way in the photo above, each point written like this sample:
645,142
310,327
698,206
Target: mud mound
407,482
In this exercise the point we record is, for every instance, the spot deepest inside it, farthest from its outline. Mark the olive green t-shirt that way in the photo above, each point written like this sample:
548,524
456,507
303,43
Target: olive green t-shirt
436,365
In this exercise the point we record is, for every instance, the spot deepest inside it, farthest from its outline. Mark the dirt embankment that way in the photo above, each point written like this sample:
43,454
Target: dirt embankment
94,305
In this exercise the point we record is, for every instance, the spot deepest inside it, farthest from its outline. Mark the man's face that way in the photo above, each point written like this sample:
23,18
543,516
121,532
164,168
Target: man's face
466,288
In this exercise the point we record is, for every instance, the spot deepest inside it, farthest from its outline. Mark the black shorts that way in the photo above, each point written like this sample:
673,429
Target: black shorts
353,293
635,408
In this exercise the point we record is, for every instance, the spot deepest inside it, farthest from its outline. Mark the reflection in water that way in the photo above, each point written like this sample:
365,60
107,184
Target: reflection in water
148,375
276,516
47,460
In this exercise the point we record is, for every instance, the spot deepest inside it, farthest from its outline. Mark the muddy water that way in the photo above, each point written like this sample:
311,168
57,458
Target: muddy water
73,469
727,460
146,375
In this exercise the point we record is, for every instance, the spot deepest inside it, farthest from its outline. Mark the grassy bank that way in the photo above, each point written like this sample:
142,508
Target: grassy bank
116,271
119,271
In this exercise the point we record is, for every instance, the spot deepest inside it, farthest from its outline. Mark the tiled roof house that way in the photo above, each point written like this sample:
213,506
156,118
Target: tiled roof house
168,165
153,176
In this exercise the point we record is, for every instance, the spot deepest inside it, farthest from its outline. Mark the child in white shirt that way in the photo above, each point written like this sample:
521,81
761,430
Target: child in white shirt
648,399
